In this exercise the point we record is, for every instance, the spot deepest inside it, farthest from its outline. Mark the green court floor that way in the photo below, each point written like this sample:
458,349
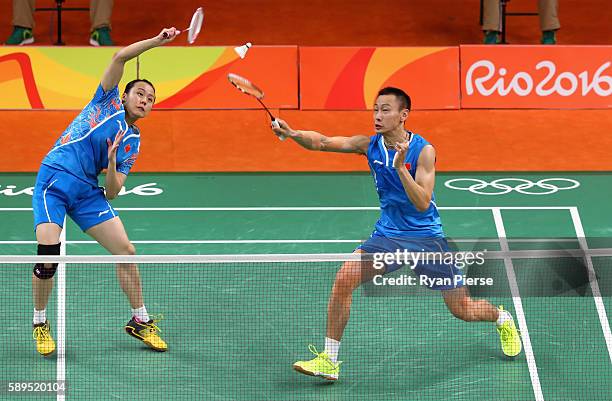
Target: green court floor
235,330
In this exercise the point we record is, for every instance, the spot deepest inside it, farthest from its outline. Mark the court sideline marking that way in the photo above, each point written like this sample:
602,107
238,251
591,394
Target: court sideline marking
599,305
518,306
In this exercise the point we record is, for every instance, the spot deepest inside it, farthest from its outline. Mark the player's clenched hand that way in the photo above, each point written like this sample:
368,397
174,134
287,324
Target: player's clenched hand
168,35
282,128
112,148
400,156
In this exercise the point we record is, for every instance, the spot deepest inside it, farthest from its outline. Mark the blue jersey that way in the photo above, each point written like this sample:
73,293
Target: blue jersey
82,149
399,217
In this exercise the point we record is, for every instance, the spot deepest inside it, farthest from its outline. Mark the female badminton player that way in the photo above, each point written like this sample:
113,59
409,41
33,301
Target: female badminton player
102,136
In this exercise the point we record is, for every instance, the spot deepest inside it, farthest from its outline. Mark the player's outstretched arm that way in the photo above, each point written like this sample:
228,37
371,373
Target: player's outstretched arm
114,72
313,140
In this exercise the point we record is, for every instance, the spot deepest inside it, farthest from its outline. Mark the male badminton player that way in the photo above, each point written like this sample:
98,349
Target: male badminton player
403,166
102,136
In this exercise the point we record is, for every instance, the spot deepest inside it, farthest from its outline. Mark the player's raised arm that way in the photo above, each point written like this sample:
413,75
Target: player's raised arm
114,72
313,140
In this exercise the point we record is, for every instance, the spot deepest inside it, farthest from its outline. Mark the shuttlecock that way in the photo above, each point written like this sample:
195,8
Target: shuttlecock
241,51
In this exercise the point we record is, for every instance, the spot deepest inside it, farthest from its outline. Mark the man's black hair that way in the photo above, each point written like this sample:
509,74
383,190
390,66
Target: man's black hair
405,102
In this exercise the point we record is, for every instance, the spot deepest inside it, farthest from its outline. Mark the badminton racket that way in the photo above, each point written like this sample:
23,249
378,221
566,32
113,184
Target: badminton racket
194,27
246,86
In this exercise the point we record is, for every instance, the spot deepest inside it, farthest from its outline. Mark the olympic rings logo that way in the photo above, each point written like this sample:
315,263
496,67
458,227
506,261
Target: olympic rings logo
503,186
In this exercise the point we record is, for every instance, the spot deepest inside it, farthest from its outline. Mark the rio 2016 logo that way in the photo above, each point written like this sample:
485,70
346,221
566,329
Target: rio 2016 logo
565,84
148,189
503,186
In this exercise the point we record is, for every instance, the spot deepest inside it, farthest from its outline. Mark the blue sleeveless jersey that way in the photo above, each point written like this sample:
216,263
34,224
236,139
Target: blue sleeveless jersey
82,149
399,217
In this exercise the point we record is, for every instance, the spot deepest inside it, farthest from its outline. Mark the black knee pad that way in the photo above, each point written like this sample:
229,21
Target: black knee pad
42,272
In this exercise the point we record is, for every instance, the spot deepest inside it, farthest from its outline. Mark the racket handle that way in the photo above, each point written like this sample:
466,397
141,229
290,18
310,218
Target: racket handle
275,124
165,35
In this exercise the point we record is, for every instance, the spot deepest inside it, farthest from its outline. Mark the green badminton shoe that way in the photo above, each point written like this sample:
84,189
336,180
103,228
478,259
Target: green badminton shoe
509,336
320,366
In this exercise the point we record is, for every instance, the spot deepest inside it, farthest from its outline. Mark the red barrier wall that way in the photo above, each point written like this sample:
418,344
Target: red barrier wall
466,140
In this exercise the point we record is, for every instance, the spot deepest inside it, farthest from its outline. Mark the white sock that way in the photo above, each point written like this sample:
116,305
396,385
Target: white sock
331,348
504,316
141,314
40,316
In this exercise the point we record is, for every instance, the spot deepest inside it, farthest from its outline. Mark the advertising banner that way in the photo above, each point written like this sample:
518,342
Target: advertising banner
544,77
348,78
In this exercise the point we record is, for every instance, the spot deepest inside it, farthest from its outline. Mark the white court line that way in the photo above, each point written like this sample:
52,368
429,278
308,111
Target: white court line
287,241
326,208
601,309
299,208
196,241
237,241
264,257
248,209
61,316
191,259
531,240
518,306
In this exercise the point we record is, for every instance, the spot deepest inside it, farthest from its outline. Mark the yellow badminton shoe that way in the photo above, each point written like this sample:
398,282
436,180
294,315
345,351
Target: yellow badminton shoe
44,342
147,333
509,336
320,366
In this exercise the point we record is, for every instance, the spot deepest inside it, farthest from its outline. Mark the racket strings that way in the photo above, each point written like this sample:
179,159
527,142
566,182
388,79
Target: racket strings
245,86
196,25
